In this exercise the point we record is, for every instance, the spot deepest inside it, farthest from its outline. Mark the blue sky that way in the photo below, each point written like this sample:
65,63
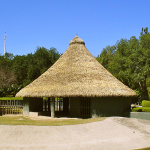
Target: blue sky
53,23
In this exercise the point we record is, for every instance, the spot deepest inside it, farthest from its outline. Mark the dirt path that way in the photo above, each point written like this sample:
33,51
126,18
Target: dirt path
114,133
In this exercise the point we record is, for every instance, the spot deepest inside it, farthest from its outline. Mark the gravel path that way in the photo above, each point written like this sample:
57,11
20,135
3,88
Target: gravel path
114,133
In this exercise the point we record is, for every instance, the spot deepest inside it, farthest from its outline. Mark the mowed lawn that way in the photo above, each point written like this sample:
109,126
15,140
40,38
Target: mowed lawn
21,120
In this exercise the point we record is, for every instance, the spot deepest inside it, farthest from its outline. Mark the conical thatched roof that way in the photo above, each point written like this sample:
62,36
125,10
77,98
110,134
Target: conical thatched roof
76,73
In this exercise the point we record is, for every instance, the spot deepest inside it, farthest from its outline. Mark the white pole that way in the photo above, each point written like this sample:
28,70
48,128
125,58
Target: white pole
4,43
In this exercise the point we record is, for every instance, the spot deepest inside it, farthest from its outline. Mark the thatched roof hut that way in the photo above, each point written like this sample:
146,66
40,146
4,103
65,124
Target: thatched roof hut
76,74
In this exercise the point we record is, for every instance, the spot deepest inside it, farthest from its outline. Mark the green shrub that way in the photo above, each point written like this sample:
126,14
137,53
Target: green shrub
137,109
146,109
141,109
146,103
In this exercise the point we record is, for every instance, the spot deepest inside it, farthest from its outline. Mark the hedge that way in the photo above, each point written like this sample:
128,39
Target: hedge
145,103
11,98
141,109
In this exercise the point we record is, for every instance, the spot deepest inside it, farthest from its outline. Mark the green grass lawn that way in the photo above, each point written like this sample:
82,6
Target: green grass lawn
21,120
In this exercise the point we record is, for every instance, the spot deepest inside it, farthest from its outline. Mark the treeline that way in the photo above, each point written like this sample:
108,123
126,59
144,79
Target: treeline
129,61
18,71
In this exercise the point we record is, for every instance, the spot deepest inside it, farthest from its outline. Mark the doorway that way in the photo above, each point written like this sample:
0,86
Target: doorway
85,107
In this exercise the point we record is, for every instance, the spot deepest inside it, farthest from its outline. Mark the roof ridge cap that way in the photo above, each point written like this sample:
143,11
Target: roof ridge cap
78,40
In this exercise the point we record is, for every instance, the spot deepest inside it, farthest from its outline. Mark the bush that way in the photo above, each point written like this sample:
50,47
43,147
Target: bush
145,103
137,109
146,109
141,109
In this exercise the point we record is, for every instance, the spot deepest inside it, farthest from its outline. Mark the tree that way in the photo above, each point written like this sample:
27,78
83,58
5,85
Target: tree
129,61
9,56
143,63
106,57
20,66
45,58
7,78
18,71
5,62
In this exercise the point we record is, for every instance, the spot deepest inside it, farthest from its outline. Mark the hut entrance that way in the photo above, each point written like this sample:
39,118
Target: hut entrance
61,107
85,108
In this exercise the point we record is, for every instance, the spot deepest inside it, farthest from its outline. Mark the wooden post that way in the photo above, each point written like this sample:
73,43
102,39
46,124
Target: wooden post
53,108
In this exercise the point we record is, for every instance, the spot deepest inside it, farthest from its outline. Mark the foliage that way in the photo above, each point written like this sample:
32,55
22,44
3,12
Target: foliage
148,89
2,92
11,98
141,109
137,92
129,61
18,71
7,81
7,77
137,109
146,103
20,65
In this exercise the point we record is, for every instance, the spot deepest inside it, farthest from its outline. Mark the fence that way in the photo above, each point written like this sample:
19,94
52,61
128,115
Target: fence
11,107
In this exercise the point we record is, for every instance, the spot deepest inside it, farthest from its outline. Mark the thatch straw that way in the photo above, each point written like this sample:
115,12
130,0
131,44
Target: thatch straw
76,73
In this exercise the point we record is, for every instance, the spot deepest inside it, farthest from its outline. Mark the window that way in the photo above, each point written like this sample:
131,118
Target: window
47,104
